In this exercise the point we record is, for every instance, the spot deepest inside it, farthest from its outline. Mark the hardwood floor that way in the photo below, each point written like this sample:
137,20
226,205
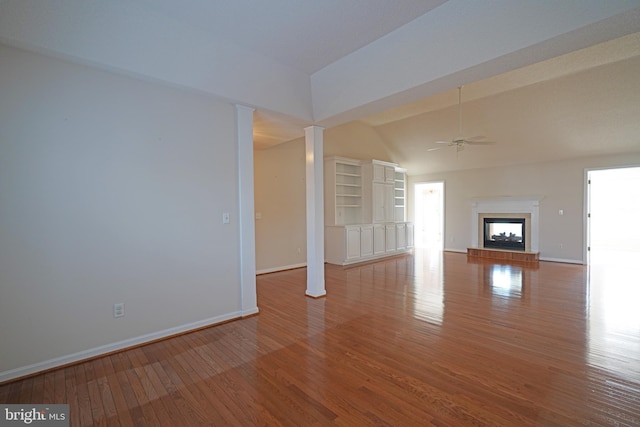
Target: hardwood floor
424,339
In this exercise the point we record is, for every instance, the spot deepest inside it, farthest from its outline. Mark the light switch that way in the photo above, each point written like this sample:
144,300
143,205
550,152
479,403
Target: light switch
258,215
561,212
225,218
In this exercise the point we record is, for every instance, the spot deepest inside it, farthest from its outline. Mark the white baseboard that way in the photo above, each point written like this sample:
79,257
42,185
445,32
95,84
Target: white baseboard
568,261
250,312
116,346
284,267
462,251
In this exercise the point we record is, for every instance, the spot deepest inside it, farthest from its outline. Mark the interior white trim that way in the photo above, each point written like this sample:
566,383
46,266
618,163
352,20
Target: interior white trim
563,260
523,205
244,128
461,251
116,346
281,268
314,168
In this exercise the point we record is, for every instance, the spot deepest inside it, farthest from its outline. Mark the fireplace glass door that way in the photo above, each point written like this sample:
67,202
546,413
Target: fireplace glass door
504,233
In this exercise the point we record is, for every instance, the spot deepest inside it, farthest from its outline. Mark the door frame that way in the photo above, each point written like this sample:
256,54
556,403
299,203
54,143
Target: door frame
586,256
443,221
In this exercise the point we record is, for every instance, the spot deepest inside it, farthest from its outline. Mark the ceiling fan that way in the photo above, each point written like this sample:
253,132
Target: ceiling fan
460,142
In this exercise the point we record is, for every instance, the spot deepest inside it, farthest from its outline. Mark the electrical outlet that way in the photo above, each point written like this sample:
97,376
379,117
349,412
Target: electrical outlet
118,309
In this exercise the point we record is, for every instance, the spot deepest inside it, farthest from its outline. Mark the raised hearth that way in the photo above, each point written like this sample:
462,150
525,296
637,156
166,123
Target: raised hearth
502,254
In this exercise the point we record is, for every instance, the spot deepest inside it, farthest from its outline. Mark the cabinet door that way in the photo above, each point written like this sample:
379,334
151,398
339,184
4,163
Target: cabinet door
401,236
378,202
353,242
379,246
383,202
378,173
389,174
366,240
389,202
390,237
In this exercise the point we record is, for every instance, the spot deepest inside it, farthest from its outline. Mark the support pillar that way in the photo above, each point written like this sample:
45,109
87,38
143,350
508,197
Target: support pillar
315,211
244,128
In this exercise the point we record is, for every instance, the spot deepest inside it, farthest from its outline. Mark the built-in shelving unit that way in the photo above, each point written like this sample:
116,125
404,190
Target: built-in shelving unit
343,191
365,205
400,195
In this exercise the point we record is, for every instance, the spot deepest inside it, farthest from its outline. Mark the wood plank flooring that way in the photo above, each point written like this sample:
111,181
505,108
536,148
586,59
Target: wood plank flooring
426,339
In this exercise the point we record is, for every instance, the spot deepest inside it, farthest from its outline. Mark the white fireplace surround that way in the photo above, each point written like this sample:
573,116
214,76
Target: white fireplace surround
506,205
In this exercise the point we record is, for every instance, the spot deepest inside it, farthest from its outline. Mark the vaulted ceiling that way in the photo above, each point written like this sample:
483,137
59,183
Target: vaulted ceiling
545,80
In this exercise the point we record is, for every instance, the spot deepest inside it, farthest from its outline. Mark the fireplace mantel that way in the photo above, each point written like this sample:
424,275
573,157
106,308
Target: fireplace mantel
506,205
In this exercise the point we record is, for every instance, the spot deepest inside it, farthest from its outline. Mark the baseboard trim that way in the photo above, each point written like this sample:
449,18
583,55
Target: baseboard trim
283,268
461,251
103,350
563,260
250,312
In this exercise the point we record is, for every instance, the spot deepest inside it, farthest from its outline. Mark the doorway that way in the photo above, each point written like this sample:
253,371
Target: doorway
429,215
613,237
613,212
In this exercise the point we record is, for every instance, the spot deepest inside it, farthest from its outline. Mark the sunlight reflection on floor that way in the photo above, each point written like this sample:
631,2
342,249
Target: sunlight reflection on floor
614,294
506,280
429,267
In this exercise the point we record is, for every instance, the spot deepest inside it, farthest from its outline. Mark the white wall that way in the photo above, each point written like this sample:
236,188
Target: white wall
561,184
280,193
147,41
111,190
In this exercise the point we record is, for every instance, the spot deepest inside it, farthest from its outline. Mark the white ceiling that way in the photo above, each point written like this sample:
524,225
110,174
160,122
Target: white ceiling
394,65
306,35
584,103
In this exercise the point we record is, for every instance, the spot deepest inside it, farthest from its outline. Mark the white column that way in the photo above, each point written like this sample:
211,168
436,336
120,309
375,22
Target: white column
315,211
244,127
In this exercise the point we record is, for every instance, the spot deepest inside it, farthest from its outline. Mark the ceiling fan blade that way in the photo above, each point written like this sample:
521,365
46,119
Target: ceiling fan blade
459,142
476,138
435,149
471,142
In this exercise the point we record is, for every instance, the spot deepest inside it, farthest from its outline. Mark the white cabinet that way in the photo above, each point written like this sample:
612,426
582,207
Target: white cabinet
390,237
401,236
379,245
349,244
378,186
382,204
383,172
353,242
366,240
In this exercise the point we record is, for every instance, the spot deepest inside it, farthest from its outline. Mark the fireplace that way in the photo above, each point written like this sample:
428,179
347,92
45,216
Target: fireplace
507,207
504,233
